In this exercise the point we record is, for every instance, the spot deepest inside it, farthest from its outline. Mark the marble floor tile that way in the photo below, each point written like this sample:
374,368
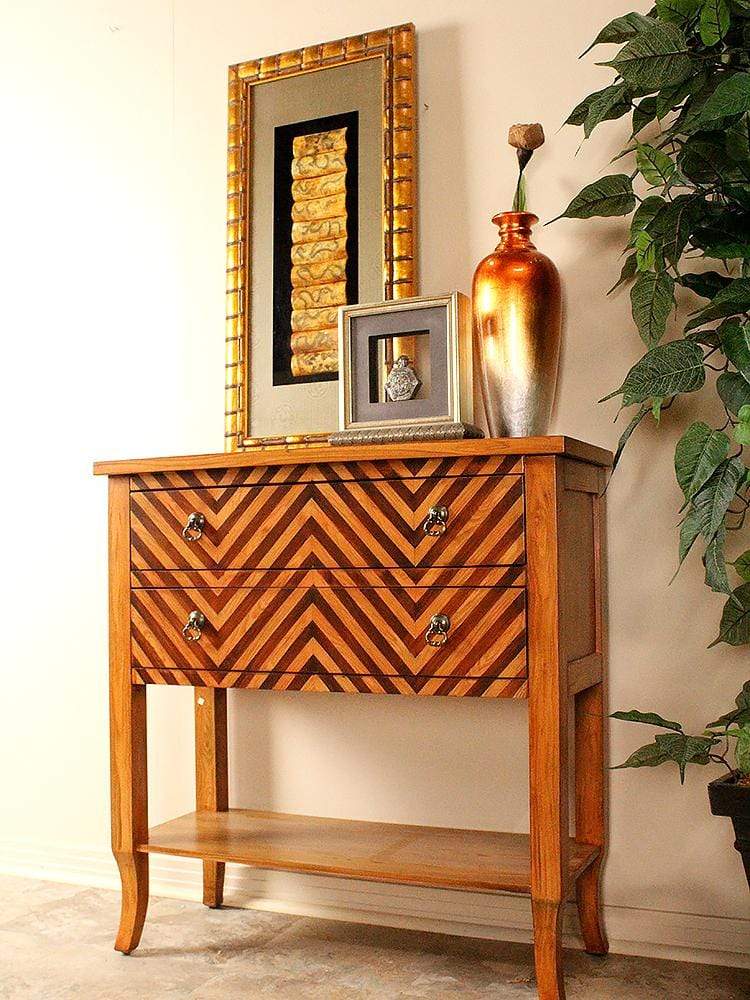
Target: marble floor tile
56,944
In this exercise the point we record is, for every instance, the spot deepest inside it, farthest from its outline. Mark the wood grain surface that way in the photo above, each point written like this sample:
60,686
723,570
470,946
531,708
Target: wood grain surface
326,455
379,852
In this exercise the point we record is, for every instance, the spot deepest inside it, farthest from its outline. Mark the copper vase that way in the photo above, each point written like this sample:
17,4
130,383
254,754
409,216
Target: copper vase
517,321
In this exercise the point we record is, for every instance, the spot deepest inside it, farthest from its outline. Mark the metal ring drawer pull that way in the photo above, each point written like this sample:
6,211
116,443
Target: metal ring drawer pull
437,630
193,627
436,521
193,530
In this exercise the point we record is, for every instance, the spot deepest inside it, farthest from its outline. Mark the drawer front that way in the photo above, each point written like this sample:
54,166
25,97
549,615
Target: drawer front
329,525
376,631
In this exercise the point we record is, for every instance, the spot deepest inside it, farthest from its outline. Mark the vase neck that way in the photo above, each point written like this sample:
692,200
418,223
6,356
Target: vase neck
515,228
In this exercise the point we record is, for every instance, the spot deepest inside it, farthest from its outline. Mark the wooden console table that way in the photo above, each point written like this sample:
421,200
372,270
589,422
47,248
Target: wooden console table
470,569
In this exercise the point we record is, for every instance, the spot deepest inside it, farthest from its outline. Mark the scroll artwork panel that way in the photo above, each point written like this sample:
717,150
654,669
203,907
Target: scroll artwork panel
315,244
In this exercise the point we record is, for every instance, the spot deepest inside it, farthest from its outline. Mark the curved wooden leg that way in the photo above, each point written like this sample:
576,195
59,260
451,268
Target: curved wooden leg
548,949
213,883
127,727
134,878
588,900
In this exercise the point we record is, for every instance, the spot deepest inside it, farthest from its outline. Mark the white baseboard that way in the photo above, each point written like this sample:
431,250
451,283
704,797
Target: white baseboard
685,937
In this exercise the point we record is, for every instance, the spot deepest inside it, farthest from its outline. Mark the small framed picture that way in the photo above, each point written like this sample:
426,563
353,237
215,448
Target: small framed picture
405,371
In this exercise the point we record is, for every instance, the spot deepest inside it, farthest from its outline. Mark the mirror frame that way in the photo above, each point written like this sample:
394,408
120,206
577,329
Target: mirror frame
395,47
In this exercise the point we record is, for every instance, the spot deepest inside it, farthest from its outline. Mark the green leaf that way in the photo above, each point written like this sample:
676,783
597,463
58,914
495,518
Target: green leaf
725,241
689,531
647,718
684,749
738,139
677,11
645,254
651,755
625,436
716,563
707,285
578,115
742,430
733,299
657,57
712,501
621,29
672,97
627,273
645,214
677,747
733,390
672,226
731,97
643,113
612,102
740,715
666,370
699,452
651,298
703,158
735,619
714,22
742,749
611,195
655,165
742,567
735,342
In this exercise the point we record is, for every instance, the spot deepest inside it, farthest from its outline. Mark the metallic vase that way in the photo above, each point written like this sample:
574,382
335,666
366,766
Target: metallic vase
517,321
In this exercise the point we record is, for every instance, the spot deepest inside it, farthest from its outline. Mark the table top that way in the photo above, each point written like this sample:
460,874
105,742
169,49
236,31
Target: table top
302,455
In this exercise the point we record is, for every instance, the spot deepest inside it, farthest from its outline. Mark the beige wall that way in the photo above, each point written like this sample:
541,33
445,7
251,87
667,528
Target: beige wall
111,315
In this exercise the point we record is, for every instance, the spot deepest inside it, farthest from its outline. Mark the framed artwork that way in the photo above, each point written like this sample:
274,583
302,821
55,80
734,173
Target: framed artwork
406,371
321,214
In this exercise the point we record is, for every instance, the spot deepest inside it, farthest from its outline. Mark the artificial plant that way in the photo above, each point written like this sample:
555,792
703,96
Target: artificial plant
682,76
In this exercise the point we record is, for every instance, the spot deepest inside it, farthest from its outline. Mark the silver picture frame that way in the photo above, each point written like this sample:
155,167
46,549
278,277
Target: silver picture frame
442,406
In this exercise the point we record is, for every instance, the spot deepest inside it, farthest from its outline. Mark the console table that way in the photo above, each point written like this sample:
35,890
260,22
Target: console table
464,569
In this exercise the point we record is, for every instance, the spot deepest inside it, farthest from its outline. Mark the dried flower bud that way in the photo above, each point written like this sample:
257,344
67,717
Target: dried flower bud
526,136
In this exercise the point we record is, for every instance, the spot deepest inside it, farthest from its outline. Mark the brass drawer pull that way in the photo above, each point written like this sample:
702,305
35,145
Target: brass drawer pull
436,521
193,530
193,627
437,630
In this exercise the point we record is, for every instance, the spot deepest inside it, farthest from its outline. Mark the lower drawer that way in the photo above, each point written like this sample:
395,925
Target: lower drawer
374,631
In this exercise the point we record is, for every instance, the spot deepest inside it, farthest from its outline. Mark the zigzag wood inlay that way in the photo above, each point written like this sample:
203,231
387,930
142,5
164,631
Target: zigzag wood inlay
352,524
459,687
478,465
372,631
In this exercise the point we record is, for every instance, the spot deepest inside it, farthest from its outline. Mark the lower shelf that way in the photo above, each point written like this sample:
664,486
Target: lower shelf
378,852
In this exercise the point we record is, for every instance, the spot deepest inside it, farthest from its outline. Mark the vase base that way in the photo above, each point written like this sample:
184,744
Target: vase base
447,431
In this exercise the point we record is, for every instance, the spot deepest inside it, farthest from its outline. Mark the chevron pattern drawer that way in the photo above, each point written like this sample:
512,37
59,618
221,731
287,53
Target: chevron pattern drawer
402,522
383,632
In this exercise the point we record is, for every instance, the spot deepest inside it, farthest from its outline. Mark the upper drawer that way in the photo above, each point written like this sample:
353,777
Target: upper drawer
329,525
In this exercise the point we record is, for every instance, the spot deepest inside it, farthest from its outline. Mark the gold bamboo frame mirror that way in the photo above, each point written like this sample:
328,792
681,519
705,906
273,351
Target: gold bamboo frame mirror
394,50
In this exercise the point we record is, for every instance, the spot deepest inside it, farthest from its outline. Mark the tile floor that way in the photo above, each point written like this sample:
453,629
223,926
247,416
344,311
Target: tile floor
56,944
